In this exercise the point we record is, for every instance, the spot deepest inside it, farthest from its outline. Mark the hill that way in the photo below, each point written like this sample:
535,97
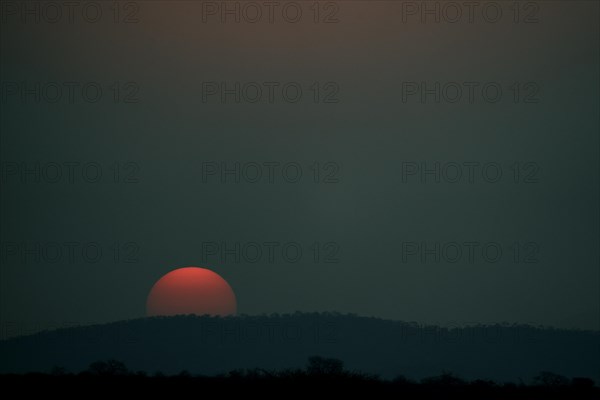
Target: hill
212,345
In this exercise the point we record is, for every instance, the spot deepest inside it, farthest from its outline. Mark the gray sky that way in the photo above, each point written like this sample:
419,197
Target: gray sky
399,211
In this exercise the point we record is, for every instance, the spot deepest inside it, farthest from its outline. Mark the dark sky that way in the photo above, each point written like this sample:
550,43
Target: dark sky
378,212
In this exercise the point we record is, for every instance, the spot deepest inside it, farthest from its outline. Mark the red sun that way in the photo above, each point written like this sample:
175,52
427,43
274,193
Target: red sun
191,290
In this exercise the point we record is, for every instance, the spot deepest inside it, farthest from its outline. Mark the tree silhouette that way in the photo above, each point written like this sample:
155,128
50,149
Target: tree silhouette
108,368
58,371
446,379
550,379
324,366
320,373
582,382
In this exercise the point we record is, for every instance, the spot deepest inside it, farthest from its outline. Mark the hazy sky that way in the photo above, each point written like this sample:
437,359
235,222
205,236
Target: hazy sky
377,162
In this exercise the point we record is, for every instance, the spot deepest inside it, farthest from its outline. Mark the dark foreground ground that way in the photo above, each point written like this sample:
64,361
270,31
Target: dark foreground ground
321,377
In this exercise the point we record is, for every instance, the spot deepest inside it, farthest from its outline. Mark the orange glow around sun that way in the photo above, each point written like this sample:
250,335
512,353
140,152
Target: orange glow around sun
191,290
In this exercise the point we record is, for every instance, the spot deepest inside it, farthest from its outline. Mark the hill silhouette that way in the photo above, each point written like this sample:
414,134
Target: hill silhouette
211,345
